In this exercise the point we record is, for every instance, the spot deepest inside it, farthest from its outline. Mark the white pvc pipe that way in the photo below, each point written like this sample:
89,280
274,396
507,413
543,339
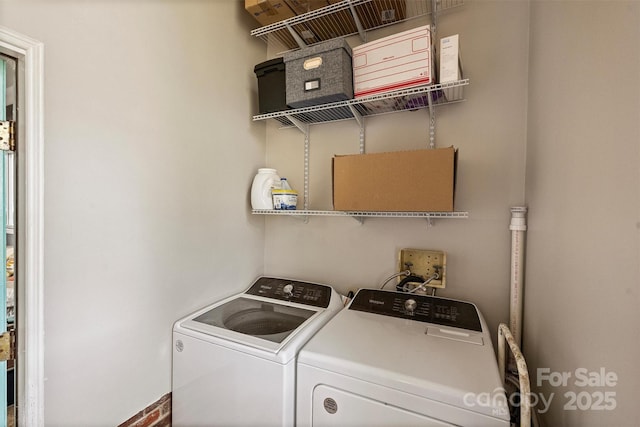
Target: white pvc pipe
518,229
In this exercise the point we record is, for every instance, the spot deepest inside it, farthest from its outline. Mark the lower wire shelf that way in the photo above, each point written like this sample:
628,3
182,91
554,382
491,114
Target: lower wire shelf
362,214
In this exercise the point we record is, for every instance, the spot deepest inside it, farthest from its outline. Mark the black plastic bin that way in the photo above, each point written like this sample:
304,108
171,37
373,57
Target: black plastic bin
272,91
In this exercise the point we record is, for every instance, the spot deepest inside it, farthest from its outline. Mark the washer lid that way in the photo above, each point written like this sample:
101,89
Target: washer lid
269,321
294,311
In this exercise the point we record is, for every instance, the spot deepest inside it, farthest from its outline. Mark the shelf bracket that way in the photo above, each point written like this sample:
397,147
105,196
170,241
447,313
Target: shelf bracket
303,127
356,115
360,219
361,31
430,222
295,35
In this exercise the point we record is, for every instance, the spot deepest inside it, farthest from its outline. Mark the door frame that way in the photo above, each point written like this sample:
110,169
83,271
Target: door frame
29,227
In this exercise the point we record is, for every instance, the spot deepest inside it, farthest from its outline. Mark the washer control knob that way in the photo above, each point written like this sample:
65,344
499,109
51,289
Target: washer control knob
410,305
288,290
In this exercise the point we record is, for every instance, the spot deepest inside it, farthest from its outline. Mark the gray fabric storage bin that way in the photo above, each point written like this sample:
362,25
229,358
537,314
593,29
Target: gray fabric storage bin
319,74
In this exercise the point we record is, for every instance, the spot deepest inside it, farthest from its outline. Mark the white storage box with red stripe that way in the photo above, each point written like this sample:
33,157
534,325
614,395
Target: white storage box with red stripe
394,62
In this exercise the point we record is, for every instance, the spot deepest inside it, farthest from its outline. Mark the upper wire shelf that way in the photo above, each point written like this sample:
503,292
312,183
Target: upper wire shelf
388,102
346,18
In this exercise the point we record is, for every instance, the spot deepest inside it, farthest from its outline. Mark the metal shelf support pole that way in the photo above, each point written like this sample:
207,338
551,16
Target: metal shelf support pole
432,111
304,128
358,117
434,16
306,172
432,122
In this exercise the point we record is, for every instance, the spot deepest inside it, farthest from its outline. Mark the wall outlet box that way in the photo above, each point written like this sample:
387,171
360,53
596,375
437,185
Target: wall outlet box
424,263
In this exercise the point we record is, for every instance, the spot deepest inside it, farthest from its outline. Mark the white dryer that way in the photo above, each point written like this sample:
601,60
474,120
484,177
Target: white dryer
397,359
234,362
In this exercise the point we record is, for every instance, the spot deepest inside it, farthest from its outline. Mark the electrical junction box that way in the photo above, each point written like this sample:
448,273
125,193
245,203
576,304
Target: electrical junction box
424,263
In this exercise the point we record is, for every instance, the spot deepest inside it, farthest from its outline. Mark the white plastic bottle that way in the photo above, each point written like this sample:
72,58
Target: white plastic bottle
265,180
284,184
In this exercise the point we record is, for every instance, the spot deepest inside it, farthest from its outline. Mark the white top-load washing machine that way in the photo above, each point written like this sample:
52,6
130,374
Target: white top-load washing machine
398,359
234,362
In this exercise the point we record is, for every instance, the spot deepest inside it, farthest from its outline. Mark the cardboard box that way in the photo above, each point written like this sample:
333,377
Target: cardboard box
319,74
268,11
399,61
403,181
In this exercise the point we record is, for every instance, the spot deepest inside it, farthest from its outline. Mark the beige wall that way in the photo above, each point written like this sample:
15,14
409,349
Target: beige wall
489,129
569,105
147,108
583,188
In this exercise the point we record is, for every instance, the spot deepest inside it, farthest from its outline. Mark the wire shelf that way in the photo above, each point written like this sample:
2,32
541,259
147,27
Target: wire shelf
363,214
389,102
346,18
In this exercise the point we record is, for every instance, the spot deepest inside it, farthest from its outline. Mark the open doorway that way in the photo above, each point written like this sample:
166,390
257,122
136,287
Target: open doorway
9,103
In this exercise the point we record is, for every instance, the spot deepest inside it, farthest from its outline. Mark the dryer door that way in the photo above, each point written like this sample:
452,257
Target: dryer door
335,407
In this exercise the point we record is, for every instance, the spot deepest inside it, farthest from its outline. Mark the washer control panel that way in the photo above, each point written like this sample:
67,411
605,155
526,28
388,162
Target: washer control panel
312,294
422,308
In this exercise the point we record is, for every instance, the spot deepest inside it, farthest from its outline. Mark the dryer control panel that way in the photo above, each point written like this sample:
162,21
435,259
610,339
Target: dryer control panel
421,308
313,294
